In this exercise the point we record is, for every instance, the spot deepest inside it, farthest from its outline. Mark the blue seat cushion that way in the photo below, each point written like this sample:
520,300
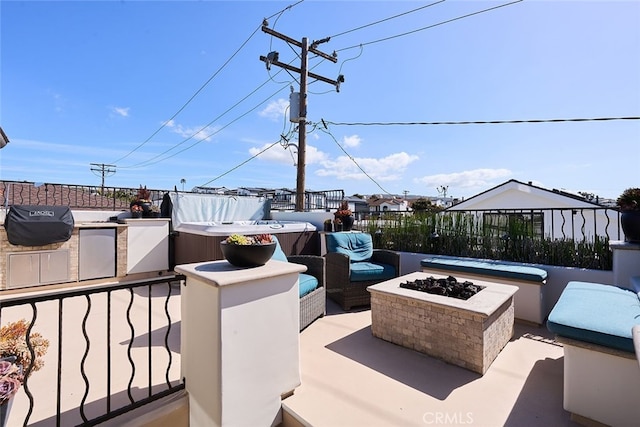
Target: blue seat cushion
363,271
307,283
486,267
596,313
358,246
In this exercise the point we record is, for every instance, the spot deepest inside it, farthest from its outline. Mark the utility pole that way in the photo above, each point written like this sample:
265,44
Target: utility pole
104,170
272,59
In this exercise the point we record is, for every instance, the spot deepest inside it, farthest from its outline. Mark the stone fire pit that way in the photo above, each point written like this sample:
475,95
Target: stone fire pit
468,333
449,287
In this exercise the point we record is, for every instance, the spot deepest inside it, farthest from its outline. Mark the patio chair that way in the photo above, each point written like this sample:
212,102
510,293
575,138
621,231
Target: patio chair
353,265
311,283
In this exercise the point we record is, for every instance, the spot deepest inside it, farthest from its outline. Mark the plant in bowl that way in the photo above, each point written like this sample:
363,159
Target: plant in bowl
248,251
136,211
343,217
16,361
629,204
142,200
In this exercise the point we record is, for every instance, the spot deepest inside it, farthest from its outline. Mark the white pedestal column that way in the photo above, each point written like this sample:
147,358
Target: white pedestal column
626,262
239,341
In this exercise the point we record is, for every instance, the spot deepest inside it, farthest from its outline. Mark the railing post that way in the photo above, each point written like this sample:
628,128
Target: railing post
239,341
626,262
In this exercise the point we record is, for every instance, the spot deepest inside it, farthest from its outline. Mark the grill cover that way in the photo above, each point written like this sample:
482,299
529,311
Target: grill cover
38,225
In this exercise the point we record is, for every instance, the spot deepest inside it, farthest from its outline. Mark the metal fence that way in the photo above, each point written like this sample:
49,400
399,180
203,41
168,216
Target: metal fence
570,237
119,198
111,349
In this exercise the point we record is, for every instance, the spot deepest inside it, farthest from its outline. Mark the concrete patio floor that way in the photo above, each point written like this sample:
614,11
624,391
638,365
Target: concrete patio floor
350,378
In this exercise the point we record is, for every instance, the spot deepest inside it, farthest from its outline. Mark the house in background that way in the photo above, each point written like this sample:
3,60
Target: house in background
390,204
554,213
359,206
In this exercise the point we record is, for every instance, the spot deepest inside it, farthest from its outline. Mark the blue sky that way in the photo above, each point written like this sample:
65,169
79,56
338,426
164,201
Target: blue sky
101,82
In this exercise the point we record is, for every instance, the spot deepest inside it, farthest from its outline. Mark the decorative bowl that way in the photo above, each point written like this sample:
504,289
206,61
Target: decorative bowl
247,255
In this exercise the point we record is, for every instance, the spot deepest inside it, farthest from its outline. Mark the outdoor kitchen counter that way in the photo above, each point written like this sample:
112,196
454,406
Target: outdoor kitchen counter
99,224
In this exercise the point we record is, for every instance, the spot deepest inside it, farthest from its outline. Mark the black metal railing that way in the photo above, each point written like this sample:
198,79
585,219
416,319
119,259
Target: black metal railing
119,198
74,196
112,349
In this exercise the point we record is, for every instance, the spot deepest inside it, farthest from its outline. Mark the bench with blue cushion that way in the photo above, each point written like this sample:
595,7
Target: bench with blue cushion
311,284
528,301
596,313
486,268
594,323
353,265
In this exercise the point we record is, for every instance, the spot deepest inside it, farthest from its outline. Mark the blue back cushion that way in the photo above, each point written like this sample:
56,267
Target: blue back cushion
306,282
358,246
596,313
486,267
278,254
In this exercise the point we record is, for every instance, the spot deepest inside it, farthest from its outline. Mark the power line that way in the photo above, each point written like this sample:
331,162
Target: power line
482,122
214,133
203,85
328,132
148,161
429,26
385,19
163,125
241,164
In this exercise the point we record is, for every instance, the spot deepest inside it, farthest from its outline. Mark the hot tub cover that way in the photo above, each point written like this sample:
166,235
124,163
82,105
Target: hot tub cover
28,225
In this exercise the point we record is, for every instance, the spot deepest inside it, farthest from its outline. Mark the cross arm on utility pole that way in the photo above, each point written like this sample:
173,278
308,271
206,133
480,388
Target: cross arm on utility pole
333,58
297,70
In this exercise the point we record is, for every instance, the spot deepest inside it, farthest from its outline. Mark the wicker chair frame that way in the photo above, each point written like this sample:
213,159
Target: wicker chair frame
313,305
351,294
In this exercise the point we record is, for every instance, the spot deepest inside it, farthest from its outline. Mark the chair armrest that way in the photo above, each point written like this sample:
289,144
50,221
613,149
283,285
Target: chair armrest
316,265
338,270
387,256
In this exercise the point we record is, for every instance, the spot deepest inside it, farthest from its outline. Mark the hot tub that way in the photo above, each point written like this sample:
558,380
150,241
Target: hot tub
226,228
200,241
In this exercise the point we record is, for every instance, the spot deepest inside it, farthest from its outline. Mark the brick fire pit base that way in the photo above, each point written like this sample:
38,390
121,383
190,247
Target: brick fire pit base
467,333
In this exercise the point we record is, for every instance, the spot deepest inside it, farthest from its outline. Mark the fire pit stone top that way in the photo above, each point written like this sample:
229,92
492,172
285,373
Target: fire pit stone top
492,296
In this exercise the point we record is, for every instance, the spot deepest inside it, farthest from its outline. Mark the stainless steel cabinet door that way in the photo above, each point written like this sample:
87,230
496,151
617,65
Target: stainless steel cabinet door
54,266
97,253
24,270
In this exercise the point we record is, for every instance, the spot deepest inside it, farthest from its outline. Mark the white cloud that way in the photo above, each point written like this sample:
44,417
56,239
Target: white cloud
388,168
120,111
476,178
197,133
59,102
275,110
351,141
